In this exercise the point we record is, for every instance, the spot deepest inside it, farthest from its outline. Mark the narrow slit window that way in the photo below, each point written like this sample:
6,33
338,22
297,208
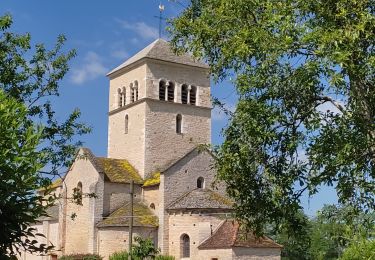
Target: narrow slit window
193,95
132,93
136,90
184,94
170,91
124,95
179,124
119,97
126,124
162,86
200,183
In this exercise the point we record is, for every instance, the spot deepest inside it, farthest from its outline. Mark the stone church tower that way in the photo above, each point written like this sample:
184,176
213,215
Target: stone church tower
159,111
159,108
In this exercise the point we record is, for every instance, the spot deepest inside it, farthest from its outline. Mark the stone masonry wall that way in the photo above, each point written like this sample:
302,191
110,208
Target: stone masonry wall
117,194
80,232
197,227
163,144
128,146
115,239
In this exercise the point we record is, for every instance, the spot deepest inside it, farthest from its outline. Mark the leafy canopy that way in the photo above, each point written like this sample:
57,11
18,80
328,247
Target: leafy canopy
30,155
304,74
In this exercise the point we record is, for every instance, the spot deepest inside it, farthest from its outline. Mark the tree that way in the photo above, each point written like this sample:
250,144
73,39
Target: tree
364,250
27,151
334,229
304,74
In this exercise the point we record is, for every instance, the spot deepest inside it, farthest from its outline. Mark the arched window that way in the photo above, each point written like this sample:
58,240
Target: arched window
193,95
119,98
184,94
126,124
124,95
185,246
152,206
136,90
200,183
77,193
131,92
179,124
170,91
162,86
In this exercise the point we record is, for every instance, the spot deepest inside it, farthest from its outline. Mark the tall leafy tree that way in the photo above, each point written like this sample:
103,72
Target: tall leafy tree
304,74
30,158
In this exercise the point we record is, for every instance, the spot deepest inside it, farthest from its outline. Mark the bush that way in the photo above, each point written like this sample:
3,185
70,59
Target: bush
360,250
81,257
123,255
164,257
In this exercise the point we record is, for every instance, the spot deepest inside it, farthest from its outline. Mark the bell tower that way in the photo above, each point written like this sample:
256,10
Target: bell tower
159,108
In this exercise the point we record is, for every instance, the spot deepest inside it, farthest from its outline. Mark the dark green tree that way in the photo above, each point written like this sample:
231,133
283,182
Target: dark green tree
26,151
304,74
144,249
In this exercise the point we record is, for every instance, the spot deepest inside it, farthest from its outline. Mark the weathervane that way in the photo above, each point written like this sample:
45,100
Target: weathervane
161,18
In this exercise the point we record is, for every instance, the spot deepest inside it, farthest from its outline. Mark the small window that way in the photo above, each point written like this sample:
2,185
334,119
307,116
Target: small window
136,90
185,246
184,94
170,91
178,124
152,206
126,124
119,98
193,95
77,193
162,86
200,183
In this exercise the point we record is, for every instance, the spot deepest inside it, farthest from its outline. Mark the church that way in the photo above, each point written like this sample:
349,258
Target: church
159,115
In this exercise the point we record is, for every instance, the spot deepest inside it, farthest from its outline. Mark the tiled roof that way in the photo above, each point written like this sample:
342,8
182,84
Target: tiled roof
52,214
143,217
160,50
119,170
201,199
153,180
116,170
229,235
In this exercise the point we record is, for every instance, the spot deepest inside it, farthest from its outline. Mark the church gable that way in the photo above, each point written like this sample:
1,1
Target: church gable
194,170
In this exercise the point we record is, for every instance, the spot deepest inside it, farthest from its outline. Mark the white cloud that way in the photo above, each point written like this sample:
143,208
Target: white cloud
140,28
119,54
91,68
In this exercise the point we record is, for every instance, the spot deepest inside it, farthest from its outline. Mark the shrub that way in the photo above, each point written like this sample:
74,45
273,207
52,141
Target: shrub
123,255
81,257
360,250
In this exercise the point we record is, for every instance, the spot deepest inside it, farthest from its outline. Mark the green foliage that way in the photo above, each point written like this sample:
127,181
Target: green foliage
296,245
304,74
29,80
81,257
363,250
123,255
144,248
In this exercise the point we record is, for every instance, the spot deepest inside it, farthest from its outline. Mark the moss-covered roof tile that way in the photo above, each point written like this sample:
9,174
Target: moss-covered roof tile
143,217
153,180
118,170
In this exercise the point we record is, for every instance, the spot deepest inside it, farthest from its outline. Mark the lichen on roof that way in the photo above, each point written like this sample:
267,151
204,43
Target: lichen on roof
143,216
119,170
153,180
55,184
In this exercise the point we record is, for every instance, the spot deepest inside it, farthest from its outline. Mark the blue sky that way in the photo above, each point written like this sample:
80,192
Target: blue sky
106,33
